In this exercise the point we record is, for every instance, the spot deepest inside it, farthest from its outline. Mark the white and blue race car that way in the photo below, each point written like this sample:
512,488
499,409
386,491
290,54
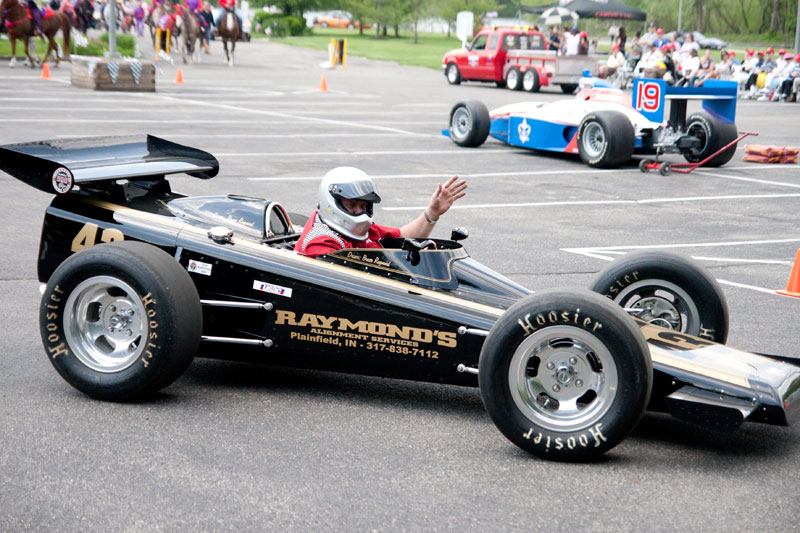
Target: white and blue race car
606,128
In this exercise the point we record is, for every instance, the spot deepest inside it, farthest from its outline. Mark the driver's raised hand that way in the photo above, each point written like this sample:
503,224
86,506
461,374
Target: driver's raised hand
444,196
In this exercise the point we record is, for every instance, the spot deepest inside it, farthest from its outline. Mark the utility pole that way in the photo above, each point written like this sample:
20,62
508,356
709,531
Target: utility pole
680,14
797,30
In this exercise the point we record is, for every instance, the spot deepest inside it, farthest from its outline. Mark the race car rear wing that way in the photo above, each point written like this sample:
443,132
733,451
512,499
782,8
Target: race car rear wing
650,96
58,165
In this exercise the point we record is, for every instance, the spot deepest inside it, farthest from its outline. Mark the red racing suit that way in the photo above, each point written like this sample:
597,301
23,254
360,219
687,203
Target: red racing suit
319,239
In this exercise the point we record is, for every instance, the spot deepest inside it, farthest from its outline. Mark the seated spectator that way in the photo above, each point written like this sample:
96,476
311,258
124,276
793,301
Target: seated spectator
790,85
615,62
706,68
768,68
780,74
722,70
648,60
689,66
742,71
671,75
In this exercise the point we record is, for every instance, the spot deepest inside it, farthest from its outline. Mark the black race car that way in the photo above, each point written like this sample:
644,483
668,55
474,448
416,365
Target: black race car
141,279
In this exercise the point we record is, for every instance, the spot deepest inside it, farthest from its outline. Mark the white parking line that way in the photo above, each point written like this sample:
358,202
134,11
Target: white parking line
451,152
751,180
470,175
604,252
609,202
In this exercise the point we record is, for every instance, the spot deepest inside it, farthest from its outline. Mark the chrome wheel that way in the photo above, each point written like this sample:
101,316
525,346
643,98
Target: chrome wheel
452,73
105,324
663,304
512,79
461,123
563,378
593,139
529,80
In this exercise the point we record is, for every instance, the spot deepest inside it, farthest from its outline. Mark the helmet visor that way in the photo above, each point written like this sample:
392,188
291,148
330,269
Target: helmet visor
355,190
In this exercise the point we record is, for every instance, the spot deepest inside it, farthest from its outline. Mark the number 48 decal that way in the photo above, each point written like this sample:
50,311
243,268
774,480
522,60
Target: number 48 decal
87,236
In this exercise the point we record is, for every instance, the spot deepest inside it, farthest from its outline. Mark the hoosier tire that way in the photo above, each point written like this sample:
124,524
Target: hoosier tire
670,291
469,123
606,139
565,375
120,321
713,135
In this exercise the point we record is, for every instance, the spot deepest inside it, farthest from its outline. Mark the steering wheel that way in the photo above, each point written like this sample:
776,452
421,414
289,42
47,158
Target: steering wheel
413,245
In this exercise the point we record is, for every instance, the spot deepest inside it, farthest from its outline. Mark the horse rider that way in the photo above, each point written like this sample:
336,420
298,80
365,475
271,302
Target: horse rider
229,5
194,7
36,14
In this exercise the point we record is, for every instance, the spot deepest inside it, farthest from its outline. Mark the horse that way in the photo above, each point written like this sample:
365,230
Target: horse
152,18
189,28
20,26
229,30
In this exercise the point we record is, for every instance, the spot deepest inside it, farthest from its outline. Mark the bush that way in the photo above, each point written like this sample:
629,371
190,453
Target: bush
126,46
282,25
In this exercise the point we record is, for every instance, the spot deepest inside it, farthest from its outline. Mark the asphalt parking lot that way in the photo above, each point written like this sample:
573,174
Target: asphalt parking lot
240,447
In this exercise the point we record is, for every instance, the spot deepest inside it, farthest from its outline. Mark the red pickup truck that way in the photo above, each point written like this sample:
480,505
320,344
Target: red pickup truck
517,59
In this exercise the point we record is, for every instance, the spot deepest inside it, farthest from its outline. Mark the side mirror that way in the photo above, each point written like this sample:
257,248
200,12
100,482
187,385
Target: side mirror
459,234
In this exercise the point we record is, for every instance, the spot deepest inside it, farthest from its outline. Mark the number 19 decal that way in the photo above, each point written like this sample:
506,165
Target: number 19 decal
648,96
87,236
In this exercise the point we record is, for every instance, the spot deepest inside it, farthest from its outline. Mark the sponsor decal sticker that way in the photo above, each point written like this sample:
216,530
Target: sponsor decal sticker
272,289
524,130
198,267
62,180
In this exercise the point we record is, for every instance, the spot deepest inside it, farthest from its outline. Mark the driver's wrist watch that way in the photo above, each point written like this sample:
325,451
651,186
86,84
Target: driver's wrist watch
430,220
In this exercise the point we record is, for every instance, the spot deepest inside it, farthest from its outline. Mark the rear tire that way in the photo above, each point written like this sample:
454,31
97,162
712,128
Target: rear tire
565,375
530,80
713,135
605,139
452,74
673,291
513,79
469,123
120,321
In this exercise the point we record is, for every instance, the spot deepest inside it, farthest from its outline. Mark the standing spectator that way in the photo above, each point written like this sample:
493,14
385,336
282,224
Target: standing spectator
623,38
660,40
593,48
650,36
583,45
636,46
208,16
573,41
554,40
613,33
138,18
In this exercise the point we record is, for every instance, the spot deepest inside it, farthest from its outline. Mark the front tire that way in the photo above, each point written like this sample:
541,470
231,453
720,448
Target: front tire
713,135
469,123
452,74
530,80
565,375
605,139
670,290
120,321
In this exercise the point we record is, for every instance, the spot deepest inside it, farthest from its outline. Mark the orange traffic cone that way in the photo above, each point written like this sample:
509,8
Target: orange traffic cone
323,85
45,71
179,77
793,286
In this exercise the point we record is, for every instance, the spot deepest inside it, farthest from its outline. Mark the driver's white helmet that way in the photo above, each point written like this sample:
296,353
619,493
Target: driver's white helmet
352,183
